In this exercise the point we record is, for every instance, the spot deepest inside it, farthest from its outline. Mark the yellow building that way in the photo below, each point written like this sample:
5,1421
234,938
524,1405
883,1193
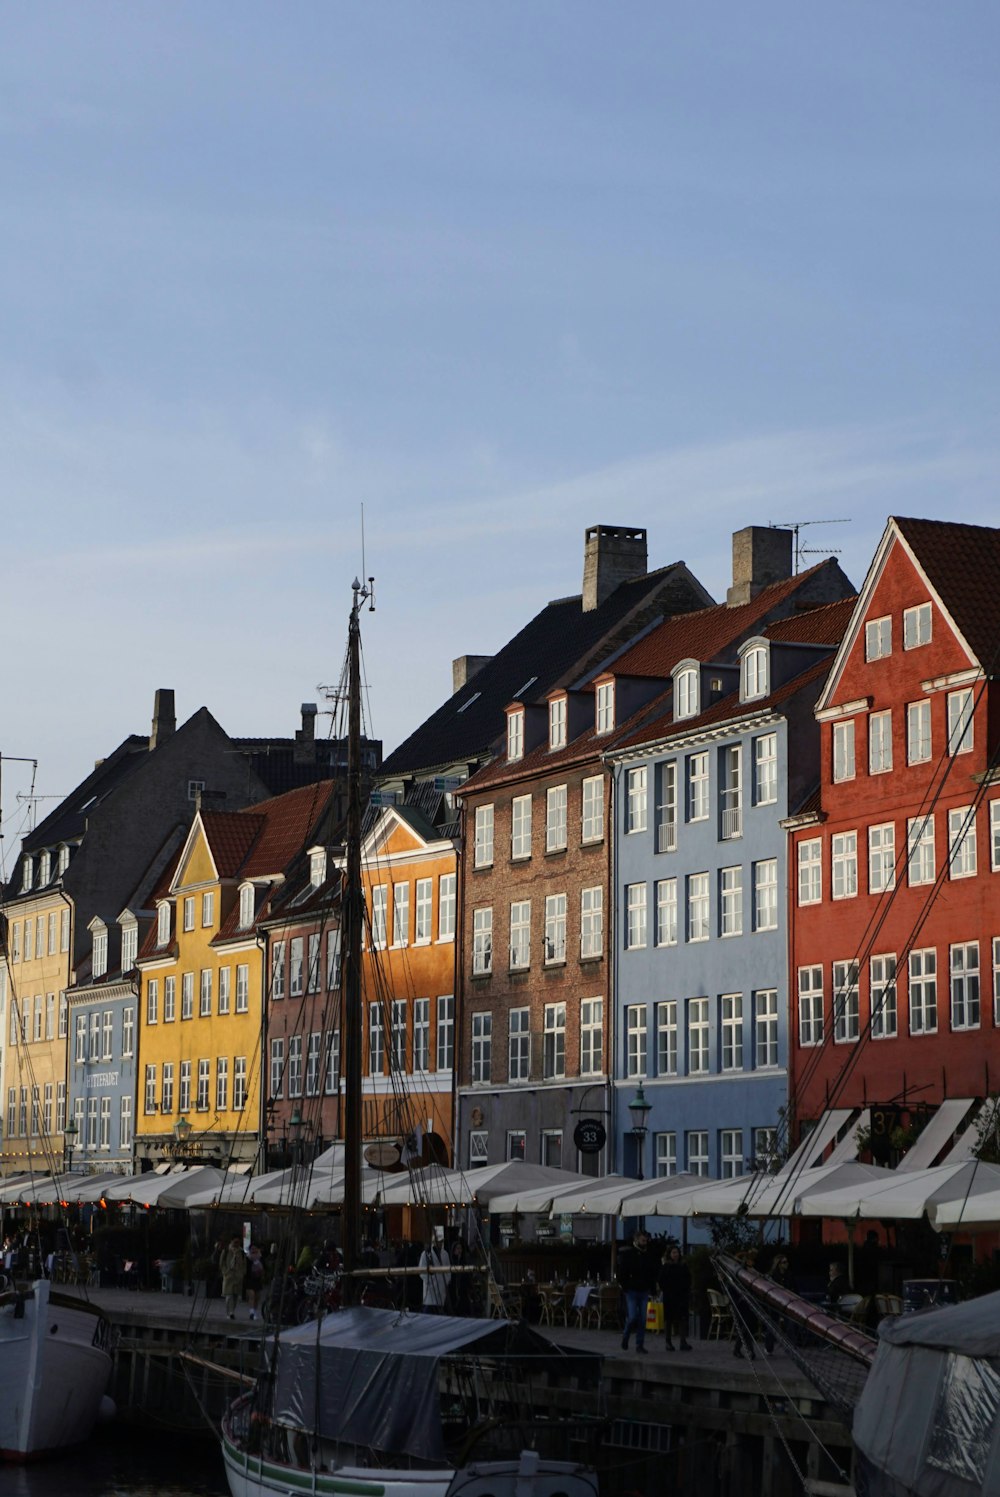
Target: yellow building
202,980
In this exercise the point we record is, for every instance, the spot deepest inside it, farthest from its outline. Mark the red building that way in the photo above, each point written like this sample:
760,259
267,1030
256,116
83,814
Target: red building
895,866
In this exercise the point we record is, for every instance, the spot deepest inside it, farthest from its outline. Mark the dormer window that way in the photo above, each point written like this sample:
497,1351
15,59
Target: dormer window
99,958
44,869
604,720
247,903
163,924
515,735
130,942
755,673
63,862
557,723
317,866
27,874
686,694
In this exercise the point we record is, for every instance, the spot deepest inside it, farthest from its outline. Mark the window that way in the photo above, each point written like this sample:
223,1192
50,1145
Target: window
421,1034
881,858
79,1054
879,742
189,912
732,1032
591,923
555,928
400,914
730,1153
63,1015
844,864
698,907
239,1083
515,735
755,673
167,1092
225,979
520,934
423,911
128,1031
995,835
918,732
996,980
162,924
312,965
519,1045
149,1103
94,1051
520,826
331,1080
731,901
635,1057
962,842
557,723
277,1067
605,711
295,1066
765,769
397,1035
555,818
29,940
765,1006
697,1153
184,1104
843,751
686,694
38,1023
446,907
552,1148
187,995
810,858
50,1015
882,987
125,1124
592,819
666,912
376,1045
920,849
516,1143
923,991
964,960
765,894
130,944
478,1147
482,941
380,897
203,1084
205,994
697,770
296,963
731,795
222,1083
846,1015
635,906
810,1006
317,866
665,1154
445,1033
960,707
591,1036
100,955
61,1106
916,626
878,638
666,1038
635,800
242,989
765,1150
12,1112
554,1041
47,1110
698,1035
666,806
483,848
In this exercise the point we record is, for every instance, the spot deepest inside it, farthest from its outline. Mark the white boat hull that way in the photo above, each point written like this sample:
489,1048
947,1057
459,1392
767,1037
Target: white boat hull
56,1365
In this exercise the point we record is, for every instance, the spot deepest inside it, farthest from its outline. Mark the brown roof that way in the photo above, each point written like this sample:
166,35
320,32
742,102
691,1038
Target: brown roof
962,563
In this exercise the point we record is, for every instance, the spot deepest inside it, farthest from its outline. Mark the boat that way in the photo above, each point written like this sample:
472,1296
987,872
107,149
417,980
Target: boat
376,1402
56,1354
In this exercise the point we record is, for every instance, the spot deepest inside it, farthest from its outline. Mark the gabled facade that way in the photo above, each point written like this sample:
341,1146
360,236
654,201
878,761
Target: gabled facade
896,918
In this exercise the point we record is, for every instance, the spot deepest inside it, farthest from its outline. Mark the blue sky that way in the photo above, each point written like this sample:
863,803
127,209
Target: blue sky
494,273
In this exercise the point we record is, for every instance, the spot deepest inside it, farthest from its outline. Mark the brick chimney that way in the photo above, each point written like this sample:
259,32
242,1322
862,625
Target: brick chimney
305,737
762,554
464,668
164,717
612,554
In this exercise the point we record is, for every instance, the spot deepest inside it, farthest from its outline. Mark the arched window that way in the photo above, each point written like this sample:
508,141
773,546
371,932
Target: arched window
755,673
686,694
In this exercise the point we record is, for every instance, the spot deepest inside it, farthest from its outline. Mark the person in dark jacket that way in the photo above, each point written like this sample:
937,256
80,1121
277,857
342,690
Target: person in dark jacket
675,1286
637,1271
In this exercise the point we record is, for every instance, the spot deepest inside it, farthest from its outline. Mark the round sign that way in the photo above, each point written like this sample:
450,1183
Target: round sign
590,1136
382,1156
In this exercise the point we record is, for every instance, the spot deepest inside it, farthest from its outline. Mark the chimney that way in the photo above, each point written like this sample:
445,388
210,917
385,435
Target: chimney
164,718
612,554
762,554
464,668
305,737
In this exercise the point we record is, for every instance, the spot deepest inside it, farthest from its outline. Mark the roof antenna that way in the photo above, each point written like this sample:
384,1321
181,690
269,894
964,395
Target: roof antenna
370,590
795,526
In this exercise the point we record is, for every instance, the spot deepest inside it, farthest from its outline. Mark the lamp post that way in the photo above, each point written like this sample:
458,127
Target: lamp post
639,1110
182,1132
70,1134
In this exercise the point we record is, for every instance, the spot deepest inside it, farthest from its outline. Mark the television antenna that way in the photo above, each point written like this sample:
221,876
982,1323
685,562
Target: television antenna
799,550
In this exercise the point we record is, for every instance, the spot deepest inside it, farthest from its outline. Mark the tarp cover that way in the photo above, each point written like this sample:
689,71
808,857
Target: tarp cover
928,1421
369,1377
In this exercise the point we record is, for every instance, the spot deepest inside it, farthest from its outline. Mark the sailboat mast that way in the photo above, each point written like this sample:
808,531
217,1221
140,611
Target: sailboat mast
352,916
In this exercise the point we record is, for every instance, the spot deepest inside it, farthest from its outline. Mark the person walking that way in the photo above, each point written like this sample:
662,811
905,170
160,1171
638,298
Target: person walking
434,1285
255,1279
637,1269
234,1272
675,1286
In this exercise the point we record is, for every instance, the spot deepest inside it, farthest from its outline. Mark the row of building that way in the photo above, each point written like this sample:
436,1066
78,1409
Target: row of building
733,862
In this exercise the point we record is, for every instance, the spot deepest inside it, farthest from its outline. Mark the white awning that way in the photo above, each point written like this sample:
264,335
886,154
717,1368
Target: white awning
983,1120
937,1133
814,1143
847,1150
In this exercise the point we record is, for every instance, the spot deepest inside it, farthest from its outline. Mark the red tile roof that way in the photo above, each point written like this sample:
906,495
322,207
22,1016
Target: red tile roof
962,563
818,626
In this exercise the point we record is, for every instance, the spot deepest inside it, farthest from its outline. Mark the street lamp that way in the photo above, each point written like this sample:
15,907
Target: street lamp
182,1132
639,1110
296,1124
70,1134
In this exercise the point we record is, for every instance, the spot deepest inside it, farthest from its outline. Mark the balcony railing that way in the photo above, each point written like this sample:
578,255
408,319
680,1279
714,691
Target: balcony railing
732,820
666,836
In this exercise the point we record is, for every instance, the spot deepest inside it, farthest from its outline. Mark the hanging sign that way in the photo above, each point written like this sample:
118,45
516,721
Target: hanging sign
590,1135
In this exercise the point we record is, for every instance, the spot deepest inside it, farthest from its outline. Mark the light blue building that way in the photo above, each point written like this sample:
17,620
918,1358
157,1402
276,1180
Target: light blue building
701,938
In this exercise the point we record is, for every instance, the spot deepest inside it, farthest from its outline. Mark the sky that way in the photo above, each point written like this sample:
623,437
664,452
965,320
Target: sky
294,293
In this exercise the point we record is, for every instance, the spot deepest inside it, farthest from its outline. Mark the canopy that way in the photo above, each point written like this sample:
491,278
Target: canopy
938,1132
782,1194
174,1189
904,1195
436,1186
53,1188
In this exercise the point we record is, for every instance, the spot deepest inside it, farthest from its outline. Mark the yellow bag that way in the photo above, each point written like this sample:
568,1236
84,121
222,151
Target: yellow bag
654,1316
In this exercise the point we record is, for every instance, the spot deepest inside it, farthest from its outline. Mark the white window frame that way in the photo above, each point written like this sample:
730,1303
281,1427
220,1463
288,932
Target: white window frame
731,1156
844,762
591,923
482,856
963,972
423,911
555,929
696,1142
635,916
883,996
515,736
519,1045
520,828
882,857
188,912
765,1018
665,1154
379,916
667,1038
698,785
962,846
636,800
401,914
731,901
880,742
765,894
846,1003
557,723
591,1036
556,831
920,855
809,864
878,638
765,769
922,995
636,1041
592,809
917,626
687,693
447,904
699,906
731,1030
699,1060
666,912
482,941
604,707
918,731
844,865
554,1042
520,935
961,724
810,994
755,673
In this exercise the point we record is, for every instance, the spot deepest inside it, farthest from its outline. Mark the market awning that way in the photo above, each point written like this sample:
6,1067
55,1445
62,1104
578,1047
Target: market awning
936,1134
903,1195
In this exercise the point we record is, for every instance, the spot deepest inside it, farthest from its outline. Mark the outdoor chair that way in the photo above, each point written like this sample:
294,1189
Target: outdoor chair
720,1323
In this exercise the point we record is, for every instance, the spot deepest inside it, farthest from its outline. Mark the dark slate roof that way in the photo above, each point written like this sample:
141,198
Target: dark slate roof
562,638
962,563
283,764
68,821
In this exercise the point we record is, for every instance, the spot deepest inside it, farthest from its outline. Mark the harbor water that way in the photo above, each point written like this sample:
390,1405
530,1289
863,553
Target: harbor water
123,1462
